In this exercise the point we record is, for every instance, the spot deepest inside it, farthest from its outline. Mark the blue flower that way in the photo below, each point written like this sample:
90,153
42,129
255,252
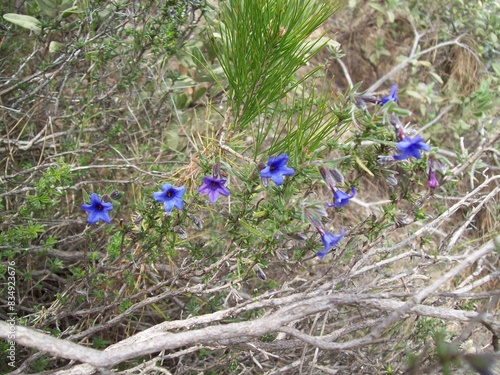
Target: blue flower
329,241
392,96
276,169
411,147
213,187
171,197
341,198
97,210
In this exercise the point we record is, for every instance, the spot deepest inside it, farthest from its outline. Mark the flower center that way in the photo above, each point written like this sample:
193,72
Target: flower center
100,207
169,194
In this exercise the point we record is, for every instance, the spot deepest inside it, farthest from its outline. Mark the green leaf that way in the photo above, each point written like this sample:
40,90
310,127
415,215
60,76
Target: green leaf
55,46
390,15
424,63
181,100
437,77
377,7
55,8
28,22
172,139
183,82
402,112
68,12
197,94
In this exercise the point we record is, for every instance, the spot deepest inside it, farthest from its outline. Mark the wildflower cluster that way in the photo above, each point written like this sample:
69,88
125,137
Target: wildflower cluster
215,186
409,143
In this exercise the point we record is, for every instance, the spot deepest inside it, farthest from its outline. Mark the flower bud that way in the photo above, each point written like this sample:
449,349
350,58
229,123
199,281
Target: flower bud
398,127
384,159
360,103
180,232
432,181
260,274
391,180
367,98
197,221
332,177
281,255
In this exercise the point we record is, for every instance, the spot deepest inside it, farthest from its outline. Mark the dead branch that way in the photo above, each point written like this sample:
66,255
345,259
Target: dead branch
289,309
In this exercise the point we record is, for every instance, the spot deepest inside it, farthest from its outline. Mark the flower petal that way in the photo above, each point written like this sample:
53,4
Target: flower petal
160,196
166,187
280,160
277,178
213,195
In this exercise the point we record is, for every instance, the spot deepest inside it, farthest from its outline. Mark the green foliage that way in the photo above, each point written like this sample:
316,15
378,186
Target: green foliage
261,45
44,196
57,8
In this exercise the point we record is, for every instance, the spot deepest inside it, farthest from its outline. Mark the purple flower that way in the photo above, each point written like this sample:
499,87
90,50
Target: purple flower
329,241
97,210
341,198
276,169
411,147
392,96
213,187
432,181
171,197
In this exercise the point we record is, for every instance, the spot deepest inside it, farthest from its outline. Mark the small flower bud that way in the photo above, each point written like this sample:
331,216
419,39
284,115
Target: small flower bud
314,218
432,181
281,255
180,232
337,176
398,127
331,177
367,98
360,103
391,180
115,194
197,221
216,170
260,274
383,159
105,198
